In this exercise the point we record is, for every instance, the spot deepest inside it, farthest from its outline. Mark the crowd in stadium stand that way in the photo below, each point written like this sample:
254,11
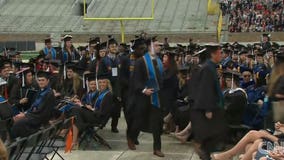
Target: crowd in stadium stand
254,15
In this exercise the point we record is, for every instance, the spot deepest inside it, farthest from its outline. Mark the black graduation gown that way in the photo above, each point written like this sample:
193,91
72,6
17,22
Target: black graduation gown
34,119
169,91
206,99
70,58
143,110
123,78
86,117
104,67
18,92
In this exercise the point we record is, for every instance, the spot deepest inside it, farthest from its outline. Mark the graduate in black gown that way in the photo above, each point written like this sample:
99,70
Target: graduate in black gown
207,114
68,53
148,72
127,82
24,94
6,111
40,111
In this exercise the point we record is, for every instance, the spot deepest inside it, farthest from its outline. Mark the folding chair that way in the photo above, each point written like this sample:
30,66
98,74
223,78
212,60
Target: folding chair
92,133
30,145
58,126
14,149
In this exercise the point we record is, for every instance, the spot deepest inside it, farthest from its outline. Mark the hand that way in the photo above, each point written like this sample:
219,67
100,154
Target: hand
19,116
209,115
23,100
149,91
89,107
278,125
119,99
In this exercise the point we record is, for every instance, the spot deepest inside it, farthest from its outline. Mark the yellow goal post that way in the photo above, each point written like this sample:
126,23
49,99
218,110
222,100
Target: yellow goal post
121,19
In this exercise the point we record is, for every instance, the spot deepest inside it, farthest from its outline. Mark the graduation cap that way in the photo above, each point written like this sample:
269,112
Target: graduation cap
227,51
150,40
245,69
266,35
243,52
13,52
202,51
137,42
212,47
82,48
183,70
112,41
43,74
67,38
252,56
94,40
102,46
262,74
87,78
22,72
47,40
101,77
2,82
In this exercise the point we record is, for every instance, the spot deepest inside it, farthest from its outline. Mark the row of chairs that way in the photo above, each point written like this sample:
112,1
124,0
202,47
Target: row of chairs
39,144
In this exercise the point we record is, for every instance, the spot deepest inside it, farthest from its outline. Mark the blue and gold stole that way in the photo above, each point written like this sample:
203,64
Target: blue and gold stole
39,99
89,97
53,52
100,98
152,78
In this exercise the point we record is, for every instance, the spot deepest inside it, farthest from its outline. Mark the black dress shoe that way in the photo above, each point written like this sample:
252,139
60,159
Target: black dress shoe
114,130
159,153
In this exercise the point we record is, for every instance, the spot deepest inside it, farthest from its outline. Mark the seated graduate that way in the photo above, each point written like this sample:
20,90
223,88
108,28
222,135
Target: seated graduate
40,112
235,98
6,111
95,108
23,95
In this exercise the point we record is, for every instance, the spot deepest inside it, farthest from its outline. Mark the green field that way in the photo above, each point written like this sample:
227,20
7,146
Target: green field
29,55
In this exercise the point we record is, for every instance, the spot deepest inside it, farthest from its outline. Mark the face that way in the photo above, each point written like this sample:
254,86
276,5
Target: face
217,56
92,85
113,48
29,78
42,82
68,44
5,73
228,82
165,59
70,73
48,45
259,59
246,76
243,57
103,84
140,50
102,53
156,47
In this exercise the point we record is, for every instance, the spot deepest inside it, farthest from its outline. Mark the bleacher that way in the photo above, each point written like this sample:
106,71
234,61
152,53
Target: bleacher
53,16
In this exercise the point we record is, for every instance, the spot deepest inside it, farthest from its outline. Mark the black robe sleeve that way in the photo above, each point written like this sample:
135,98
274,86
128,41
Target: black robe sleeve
206,94
139,76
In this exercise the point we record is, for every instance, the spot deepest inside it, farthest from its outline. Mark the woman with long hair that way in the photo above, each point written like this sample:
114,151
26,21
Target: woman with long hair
68,52
95,107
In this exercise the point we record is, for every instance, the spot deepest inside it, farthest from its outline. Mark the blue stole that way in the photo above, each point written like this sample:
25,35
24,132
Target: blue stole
2,99
53,52
152,81
66,55
100,98
39,99
89,97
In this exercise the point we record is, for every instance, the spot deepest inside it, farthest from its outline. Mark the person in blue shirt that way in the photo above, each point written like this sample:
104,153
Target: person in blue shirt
48,51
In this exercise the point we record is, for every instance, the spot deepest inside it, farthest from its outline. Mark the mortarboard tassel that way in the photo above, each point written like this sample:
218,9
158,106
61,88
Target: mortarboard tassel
84,81
23,79
64,71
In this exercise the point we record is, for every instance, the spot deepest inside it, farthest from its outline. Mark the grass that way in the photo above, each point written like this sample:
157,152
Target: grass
29,55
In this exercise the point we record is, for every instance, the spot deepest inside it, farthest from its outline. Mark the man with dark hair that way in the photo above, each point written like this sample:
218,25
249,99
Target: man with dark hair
147,75
207,116
40,111
48,51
